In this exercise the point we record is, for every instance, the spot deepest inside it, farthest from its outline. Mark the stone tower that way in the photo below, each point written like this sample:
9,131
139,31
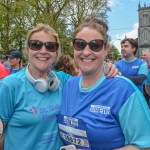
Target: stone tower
144,28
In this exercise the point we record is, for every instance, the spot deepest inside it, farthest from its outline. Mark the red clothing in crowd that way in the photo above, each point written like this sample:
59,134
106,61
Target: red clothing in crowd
3,71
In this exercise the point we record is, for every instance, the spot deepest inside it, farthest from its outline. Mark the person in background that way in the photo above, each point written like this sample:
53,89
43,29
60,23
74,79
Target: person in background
131,67
3,71
146,57
15,58
3,59
6,62
147,87
98,113
30,99
66,64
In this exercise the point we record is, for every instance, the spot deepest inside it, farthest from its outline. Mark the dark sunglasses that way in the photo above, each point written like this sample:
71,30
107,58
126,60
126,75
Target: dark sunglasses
37,45
95,45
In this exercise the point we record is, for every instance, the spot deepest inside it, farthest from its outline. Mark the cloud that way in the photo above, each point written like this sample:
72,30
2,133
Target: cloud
131,34
112,3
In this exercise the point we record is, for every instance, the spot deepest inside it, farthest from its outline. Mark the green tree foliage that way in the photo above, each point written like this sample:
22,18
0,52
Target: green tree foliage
113,54
19,16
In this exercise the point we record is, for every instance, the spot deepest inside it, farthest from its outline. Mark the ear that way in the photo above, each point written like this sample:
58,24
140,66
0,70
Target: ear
133,49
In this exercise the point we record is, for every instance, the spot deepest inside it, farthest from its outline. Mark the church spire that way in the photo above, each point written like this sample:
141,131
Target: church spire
139,4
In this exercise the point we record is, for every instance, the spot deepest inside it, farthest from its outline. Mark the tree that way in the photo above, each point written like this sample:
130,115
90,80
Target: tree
113,54
19,16
77,10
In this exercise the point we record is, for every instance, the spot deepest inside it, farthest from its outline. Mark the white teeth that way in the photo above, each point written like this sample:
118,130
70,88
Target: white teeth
87,60
42,58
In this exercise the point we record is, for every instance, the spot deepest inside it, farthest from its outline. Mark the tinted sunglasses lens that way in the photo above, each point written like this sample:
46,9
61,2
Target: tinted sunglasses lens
96,45
35,45
51,46
79,45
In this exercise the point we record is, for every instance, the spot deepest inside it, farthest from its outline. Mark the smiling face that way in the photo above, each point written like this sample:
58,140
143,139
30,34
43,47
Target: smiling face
90,62
42,59
146,55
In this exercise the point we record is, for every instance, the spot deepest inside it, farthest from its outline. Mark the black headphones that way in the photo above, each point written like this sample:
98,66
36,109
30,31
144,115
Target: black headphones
43,85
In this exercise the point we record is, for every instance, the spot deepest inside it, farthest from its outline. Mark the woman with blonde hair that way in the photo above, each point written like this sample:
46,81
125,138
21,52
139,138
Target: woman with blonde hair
31,98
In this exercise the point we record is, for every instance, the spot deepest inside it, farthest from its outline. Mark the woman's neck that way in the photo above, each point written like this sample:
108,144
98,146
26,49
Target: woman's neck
90,79
37,74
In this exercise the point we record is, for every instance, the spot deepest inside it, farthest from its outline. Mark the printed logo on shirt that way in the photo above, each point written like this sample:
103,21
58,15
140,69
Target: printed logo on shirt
100,109
45,113
34,111
135,67
71,121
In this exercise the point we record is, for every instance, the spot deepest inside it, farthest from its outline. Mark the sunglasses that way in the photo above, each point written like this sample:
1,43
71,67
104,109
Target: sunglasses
37,45
94,45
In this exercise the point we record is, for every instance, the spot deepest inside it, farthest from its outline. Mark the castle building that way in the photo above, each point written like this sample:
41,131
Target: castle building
144,28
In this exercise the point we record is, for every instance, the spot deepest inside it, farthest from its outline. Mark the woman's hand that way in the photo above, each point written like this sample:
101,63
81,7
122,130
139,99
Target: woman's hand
111,70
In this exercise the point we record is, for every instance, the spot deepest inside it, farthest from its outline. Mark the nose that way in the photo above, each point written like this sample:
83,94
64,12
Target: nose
86,50
43,49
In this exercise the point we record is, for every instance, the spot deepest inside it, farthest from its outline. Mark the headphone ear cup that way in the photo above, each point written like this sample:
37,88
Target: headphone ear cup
53,84
41,85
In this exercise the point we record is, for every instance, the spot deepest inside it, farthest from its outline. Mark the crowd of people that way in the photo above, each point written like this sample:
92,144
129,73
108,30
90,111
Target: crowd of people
12,63
56,100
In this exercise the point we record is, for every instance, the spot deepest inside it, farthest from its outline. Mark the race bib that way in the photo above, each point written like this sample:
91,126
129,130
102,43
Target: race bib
73,131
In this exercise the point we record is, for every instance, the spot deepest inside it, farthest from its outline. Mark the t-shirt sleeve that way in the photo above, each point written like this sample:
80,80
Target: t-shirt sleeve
63,77
6,101
147,80
143,68
134,117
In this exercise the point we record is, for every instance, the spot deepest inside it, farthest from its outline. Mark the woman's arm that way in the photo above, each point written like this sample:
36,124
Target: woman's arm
2,138
2,143
131,147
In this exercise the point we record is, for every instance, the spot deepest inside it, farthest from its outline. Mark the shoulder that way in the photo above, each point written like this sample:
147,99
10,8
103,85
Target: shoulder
62,75
141,61
119,61
123,83
15,79
74,81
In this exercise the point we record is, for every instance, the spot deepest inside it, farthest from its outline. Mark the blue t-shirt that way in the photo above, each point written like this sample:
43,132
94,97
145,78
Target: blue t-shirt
147,80
132,68
30,115
109,115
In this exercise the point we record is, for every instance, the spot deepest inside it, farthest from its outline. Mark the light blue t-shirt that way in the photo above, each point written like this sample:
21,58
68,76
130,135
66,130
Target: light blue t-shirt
147,80
29,114
108,115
